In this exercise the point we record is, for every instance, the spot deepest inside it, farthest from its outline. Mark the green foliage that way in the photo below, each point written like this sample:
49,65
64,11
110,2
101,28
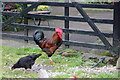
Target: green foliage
19,7
3,18
42,8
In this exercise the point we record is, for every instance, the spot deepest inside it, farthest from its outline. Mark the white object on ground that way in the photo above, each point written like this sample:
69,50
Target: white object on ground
43,73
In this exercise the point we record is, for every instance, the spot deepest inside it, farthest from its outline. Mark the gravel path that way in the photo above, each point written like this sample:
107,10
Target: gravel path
89,72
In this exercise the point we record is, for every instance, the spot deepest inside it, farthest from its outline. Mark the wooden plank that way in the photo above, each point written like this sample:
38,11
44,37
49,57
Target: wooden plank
25,22
0,12
61,4
64,42
93,26
16,36
91,33
66,23
70,18
99,6
95,46
116,29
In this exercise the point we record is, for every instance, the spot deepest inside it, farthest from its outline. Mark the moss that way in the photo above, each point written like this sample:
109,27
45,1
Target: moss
107,53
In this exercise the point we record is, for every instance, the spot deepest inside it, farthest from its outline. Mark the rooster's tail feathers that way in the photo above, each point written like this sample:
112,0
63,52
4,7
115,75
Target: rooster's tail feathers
38,35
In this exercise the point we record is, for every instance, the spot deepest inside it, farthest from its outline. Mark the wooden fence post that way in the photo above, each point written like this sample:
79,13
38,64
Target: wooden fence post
66,13
0,13
25,22
116,29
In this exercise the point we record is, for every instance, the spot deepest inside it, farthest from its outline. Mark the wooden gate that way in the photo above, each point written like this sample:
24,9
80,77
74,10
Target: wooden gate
114,49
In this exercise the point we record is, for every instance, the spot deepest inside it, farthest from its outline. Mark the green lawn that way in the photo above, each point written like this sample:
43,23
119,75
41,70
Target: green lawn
63,64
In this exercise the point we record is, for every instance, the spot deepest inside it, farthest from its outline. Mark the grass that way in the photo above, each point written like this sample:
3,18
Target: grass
0,62
10,56
63,76
104,75
63,64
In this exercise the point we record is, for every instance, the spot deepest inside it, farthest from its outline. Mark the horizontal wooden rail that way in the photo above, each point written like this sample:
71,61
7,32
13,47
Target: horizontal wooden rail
61,4
74,43
58,17
91,33
16,36
90,45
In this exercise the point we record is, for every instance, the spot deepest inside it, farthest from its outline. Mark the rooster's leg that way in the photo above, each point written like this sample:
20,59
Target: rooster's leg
24,71
51,61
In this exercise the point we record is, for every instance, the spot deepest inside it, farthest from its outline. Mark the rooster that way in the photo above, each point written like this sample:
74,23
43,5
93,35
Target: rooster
26,62
49,46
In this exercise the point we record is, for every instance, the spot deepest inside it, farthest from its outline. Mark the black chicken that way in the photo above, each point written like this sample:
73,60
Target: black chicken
26,62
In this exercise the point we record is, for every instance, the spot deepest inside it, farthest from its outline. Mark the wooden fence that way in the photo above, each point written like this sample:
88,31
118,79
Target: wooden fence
114,48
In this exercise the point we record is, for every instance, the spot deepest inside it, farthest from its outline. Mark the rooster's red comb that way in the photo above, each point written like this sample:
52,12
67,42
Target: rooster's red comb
59,30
